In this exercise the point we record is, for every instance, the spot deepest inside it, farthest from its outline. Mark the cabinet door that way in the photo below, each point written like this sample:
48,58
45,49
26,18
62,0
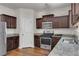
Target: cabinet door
75,13
16,42
48,17
39,23
6,18
61,22
64,22
9,43
12,43
13,22
76,8
10,20
55,41
37,41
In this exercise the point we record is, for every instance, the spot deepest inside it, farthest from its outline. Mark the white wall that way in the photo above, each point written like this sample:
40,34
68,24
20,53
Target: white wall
26,27
57,12
8,11
61,11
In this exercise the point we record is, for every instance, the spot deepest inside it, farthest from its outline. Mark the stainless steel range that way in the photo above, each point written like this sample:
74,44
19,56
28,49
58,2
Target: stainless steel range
46,41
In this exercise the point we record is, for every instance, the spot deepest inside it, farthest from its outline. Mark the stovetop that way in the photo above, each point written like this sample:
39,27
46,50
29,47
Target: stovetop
49,35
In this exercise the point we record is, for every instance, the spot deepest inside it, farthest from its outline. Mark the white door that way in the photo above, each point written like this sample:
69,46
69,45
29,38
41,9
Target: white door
26,29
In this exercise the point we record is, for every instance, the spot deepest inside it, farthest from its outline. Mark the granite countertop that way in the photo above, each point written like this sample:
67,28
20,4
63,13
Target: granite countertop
65,48
56,35
39,34
11,35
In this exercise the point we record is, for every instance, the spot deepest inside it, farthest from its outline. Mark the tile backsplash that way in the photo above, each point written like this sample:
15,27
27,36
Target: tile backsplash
57,31
11,31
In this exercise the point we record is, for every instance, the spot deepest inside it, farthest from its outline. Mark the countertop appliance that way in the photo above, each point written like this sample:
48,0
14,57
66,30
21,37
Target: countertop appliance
3,50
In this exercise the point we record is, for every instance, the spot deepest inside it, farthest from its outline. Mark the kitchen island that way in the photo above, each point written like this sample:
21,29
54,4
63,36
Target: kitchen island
65,47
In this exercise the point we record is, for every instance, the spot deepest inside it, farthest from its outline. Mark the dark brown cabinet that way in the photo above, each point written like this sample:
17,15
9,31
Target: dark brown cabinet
57,21
39,23
47,18
60,22
55,41
37,41
10,20
74,13
12,43
76,6
13,22
9,43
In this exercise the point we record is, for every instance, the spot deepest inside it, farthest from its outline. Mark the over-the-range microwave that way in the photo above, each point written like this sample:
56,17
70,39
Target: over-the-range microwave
46,25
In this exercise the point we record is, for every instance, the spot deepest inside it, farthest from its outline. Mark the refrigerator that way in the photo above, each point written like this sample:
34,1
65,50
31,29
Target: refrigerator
2,38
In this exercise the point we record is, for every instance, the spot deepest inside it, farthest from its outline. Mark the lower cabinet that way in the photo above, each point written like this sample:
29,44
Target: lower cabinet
55,41
37,41
12,42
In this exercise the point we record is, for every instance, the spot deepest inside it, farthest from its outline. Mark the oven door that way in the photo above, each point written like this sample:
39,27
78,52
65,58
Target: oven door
45,43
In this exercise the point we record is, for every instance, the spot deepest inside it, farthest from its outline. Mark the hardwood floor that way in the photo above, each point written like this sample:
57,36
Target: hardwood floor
28,52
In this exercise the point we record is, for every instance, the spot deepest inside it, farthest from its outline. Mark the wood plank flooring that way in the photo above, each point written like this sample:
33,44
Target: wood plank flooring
28,52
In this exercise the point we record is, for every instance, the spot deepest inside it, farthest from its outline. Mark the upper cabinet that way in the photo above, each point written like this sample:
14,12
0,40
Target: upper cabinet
57,21
74,13
39,23
10,20
60,22
47,17
13,22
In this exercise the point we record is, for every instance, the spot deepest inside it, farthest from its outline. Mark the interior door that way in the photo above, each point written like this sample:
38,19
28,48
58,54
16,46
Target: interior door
26,29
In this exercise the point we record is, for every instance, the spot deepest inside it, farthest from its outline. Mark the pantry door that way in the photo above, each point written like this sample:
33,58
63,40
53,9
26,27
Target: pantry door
26,28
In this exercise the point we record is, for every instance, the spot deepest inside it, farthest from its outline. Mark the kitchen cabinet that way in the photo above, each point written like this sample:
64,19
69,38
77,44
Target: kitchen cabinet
39,23
48,18
37,41
13,22
74,12
12,42
60,22
76,7
57,21
55,41
10,20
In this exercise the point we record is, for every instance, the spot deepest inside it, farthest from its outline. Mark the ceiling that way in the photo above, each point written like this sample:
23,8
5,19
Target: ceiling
35,6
